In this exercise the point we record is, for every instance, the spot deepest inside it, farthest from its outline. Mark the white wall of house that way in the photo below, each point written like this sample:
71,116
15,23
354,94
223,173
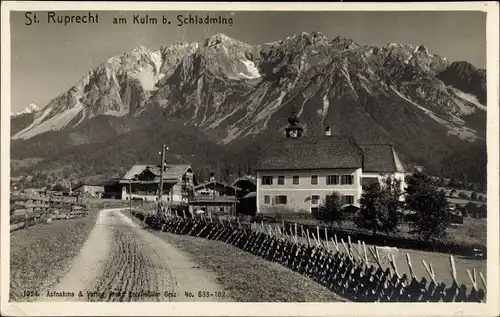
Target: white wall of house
167,196
300,196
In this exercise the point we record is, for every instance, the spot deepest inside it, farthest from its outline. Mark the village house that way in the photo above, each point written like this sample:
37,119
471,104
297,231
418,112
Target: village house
246,184
247,195
214,196
298,172
141,182
95,189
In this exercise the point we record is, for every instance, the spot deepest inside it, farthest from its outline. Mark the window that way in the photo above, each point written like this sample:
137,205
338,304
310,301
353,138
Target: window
267,180
315,199
281,180
332,180
295,179
267,199
281,200
314,210
348,199
314,180
347,180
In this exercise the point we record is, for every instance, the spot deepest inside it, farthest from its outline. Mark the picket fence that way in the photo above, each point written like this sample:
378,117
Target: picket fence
346,273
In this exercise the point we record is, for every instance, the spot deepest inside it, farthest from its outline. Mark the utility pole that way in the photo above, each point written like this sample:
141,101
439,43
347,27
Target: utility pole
160,185
130,194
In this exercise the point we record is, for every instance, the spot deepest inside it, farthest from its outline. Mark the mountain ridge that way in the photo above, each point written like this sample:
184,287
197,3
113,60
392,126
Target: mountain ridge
237,95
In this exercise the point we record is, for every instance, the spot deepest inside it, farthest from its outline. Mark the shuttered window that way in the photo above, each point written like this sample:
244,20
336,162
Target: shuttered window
332,180
267,180
281,200
267,199
281,180
314,180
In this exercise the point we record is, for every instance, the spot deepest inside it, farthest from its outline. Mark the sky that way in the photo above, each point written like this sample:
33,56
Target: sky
47,59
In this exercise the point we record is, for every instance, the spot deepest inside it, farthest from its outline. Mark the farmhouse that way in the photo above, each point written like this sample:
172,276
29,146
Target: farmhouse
246,185
214,196
298,172
247,195
90,189
141,182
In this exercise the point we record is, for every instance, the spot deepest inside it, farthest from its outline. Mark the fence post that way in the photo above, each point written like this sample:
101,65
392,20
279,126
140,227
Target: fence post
430,271
483,280
326,240
453,269
473,279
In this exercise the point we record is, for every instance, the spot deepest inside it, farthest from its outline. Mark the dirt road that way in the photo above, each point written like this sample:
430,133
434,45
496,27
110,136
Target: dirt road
122,262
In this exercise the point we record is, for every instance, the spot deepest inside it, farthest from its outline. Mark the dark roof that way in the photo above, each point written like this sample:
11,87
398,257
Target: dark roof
312,152
94,183
245,179
381,158
172,172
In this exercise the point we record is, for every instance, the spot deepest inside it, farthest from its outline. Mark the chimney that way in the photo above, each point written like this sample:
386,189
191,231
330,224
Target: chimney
328,131
212,177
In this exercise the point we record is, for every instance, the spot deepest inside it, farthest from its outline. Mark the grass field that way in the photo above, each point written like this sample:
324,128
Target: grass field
249,278
473,231
41,255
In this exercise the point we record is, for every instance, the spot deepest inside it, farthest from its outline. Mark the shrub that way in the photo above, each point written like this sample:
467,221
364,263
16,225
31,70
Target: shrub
473,196
380,207
463,195
330,211
428,206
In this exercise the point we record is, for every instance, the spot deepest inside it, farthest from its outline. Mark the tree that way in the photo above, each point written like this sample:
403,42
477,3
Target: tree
330,211
463,195
427,206
473,196
380,206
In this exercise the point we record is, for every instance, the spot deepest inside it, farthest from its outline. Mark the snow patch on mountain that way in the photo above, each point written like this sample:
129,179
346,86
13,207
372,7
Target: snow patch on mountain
31,108
157,60
459,131
57,122
469,98
252,72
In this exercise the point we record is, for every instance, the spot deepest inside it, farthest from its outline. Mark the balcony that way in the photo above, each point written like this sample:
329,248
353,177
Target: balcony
213,199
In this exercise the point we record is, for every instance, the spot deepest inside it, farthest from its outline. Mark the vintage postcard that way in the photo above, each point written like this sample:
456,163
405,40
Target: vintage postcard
249,159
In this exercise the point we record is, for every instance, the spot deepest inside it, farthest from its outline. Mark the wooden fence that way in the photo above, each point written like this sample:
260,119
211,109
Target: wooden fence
346,272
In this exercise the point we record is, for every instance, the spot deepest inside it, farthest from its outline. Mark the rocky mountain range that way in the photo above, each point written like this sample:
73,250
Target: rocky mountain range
31,108
229,98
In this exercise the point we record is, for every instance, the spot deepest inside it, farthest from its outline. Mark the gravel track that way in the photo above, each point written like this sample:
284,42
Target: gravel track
121,262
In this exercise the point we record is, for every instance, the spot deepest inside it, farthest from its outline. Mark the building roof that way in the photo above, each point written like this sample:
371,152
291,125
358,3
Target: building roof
250,195
245,179
171,173
312,152
381,158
